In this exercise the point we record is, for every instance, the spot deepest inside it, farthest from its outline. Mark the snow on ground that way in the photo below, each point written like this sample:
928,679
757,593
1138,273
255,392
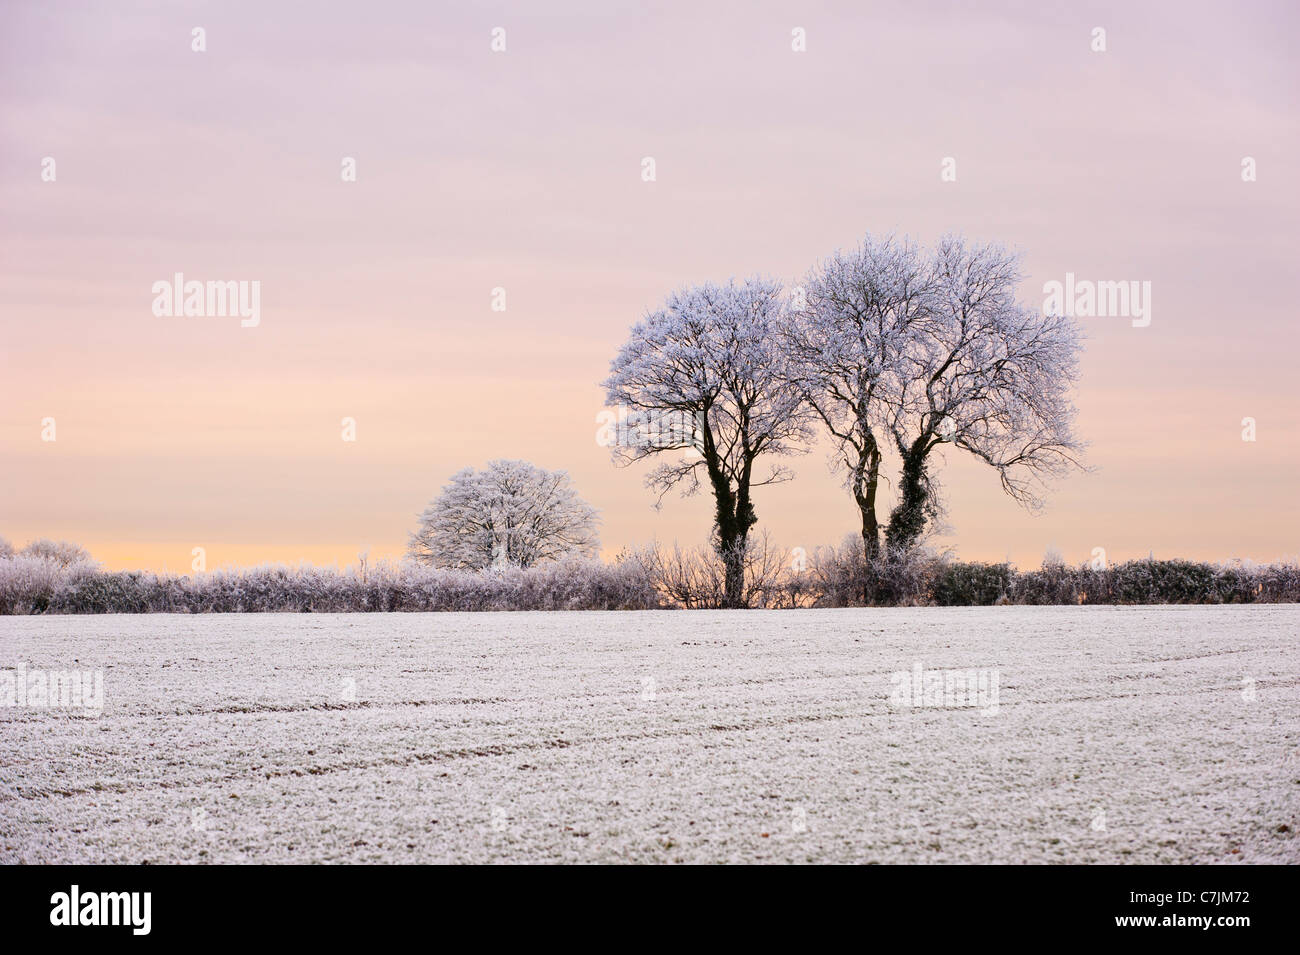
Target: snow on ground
1167,734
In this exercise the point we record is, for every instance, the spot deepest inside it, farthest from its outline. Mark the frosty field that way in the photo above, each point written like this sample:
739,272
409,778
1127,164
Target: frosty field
1157,734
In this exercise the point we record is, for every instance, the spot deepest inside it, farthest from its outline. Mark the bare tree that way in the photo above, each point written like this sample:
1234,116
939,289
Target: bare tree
510,514
849,352
710,356
989,376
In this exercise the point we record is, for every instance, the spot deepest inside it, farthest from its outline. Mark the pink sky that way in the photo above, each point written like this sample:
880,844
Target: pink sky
522,170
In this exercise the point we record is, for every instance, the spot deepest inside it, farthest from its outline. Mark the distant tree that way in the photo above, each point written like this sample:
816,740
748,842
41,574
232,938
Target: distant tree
710,356
849,351
62,553
6,548
511,513
990,377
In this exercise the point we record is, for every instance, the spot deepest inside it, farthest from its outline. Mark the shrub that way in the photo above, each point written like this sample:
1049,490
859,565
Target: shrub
29,584
648,579
123,592
970,585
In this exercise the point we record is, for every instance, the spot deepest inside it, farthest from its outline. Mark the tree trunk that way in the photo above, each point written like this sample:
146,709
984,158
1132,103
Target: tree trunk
907,521
864,492
733,516
743,519
733,560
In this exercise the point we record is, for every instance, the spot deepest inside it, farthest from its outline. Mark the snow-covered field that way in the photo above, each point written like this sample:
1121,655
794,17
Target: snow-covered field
1166,734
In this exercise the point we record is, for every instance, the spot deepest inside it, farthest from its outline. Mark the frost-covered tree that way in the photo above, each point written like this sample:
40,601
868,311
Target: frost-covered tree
711,356
991,377
62,553
6,548
511,513
849,350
